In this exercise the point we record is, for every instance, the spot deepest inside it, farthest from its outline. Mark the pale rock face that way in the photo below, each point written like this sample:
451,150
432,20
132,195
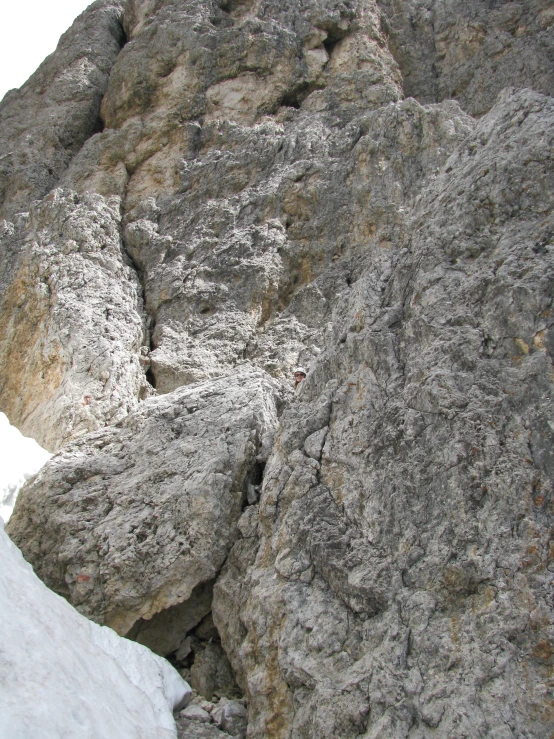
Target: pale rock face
22,458
85,680
71,324
45,123
267,198
161,496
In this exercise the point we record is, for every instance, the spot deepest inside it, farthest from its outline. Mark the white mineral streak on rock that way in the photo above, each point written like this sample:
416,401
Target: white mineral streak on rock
21,459
63,675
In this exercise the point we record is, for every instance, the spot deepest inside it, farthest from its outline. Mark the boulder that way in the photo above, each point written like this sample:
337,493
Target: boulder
128,520
395,579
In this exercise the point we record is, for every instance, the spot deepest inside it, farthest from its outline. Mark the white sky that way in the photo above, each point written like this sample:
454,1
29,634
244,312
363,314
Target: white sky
29,31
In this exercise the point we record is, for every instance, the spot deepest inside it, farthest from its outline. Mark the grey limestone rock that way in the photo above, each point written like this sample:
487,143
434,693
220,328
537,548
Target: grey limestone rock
400,584
211,672
45,123
188,729
129,520
166,632
240,189
231,716
71,323
470,50
195,713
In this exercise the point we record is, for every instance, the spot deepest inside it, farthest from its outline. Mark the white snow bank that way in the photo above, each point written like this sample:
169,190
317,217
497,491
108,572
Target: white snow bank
21,459
62,675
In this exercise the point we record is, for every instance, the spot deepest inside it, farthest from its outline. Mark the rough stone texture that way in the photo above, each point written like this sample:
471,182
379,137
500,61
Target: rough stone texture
231,717
472,50
228,221
71,323
165,632
195,713
281,204
129,520
187,729
45,123
85,681
211,672
398,581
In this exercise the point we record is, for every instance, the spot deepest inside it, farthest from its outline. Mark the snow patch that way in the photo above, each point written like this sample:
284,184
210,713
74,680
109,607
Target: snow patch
21,459
63,675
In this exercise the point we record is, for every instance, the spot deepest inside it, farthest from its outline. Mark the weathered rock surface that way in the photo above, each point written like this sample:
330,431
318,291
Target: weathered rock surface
231,717
398,578
471,51
187,729
129,520
71,323
212,672
265,197
45,123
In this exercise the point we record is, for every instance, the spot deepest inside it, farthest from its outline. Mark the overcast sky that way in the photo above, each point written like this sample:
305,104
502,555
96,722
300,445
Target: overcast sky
29,31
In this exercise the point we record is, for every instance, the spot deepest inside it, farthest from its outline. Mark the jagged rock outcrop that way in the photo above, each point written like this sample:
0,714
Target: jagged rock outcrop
71,327
262,195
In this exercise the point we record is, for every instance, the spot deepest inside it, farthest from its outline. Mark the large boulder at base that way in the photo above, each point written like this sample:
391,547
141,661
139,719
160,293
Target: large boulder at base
63,675
128,520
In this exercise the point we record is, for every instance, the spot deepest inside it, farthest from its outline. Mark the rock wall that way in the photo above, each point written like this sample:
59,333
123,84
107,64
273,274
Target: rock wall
470,51
260,194
396,581
129,520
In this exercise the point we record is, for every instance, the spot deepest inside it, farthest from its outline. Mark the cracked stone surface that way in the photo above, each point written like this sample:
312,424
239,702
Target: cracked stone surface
127,521
71,324
46,122
397,578
243,188
470,51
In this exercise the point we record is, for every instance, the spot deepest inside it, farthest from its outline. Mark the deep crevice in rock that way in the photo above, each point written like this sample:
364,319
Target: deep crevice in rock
123,39
295,97
187,637
329,45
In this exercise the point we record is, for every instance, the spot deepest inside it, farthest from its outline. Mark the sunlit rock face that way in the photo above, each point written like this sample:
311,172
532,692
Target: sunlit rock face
261,194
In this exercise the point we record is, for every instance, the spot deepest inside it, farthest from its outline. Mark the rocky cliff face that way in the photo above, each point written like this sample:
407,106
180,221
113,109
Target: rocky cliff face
244,187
